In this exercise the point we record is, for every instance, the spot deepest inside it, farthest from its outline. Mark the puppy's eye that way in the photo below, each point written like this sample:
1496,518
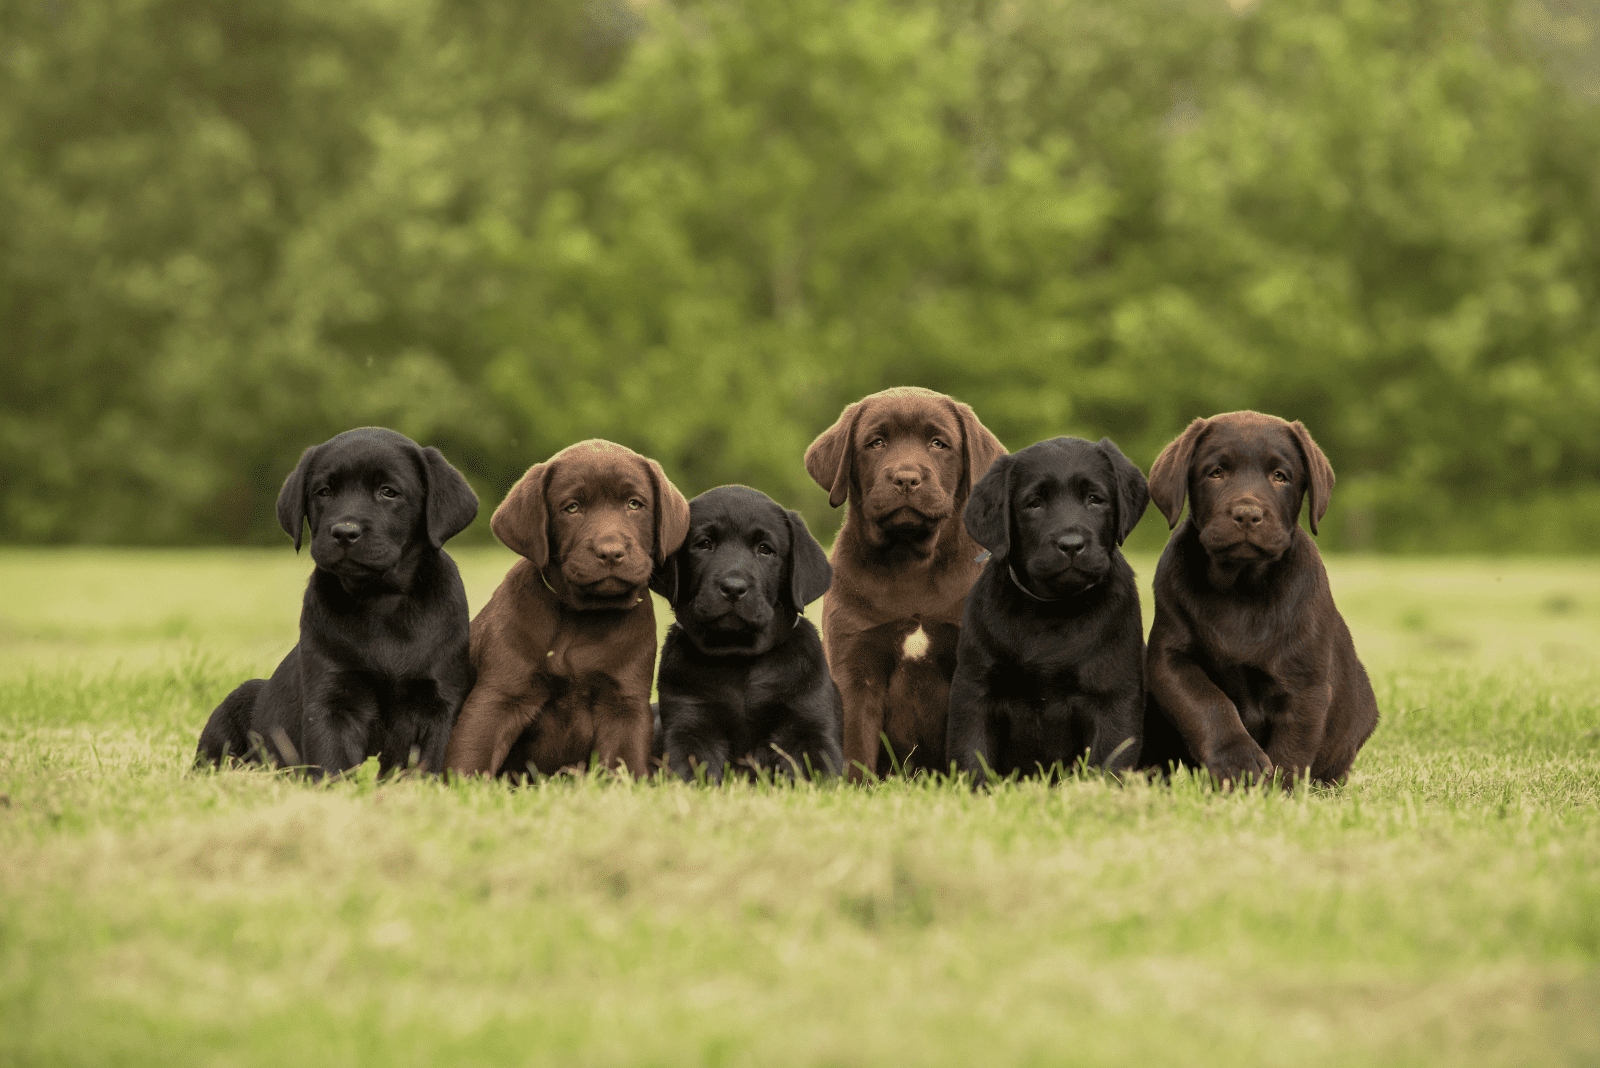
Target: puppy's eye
635,504
571,508
939,443
703,545
387,493
1215,472
764,549
876,443
1033,502
1280,476
324,492
1095,498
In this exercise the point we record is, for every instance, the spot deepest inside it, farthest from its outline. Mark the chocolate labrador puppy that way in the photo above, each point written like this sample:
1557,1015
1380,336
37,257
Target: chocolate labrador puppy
743,678
566,647
381,667
1251,669
1050,665
905,459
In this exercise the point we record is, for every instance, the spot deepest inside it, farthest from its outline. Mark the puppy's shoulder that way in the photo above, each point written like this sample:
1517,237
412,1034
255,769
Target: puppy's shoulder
806,641
448,574
795,670
1122,577
678,660
514,614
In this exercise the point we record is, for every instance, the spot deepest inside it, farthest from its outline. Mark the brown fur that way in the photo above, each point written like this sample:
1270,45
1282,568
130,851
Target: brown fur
566,648
902,562
1251,670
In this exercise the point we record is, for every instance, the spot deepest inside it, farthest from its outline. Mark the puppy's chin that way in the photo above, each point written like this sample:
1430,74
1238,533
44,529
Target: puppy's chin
602,588
354,567
907,524
1057,583
1230,548
731,637
607,594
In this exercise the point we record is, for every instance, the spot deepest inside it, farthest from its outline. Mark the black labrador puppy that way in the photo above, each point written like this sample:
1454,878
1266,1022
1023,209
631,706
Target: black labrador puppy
1049,667
381,667
743,678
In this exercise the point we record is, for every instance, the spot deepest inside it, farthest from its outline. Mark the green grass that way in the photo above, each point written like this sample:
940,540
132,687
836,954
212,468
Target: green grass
1443,908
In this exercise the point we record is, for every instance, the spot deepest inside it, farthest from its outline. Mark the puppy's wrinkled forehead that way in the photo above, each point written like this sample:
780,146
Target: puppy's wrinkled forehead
733,511
1258,443
1050,466
909,417
365,461
592,476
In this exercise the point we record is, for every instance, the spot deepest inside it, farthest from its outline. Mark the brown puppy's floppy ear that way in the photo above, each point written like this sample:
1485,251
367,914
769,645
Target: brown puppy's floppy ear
988,511
452,505
1319,470
810,574
672,514
522,522
979,448
1133,493
292,498
1169,475
830,460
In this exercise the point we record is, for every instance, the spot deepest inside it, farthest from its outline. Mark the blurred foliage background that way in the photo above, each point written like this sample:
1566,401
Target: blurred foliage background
700,228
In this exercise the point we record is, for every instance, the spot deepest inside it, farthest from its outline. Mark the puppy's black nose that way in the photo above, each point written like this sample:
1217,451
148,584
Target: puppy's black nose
345,533
1071,543
1247,515
733,588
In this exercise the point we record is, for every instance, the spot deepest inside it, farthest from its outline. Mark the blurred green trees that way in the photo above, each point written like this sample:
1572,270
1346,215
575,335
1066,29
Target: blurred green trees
231,230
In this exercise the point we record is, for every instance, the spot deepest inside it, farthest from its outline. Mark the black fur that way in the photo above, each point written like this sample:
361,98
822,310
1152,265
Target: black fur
743,680
381,667
1049,666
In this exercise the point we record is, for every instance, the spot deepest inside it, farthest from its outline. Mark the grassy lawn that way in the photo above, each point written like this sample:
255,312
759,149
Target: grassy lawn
1443,908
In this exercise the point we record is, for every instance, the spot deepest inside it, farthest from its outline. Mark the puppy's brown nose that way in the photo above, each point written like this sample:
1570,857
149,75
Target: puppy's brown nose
1247,515
907,478
345,533
610,551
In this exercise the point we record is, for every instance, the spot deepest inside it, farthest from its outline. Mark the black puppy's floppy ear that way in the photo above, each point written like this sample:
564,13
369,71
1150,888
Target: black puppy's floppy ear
664,579
830,461
1318,469
1133,493
292,498
988,511
810,574
452,505
522,522
1169,475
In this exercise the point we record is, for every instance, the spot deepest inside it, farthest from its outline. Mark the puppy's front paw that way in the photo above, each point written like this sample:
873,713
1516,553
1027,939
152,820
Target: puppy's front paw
1238,762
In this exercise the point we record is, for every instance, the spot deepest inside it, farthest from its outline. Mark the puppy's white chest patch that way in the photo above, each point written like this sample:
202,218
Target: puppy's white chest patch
916,645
